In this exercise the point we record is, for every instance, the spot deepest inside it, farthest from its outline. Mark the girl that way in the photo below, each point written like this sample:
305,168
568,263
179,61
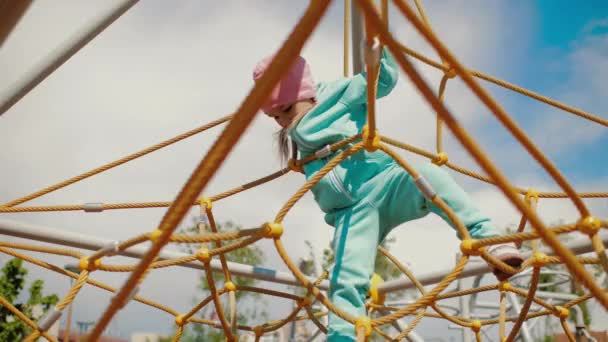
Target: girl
367,195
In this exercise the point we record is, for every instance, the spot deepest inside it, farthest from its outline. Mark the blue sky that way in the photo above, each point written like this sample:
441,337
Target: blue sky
561,37
562,26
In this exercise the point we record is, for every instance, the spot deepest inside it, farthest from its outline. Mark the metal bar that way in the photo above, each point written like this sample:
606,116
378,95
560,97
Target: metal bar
10,14
358,37
465,311
524,333
565,297
61,54
578,246
77,240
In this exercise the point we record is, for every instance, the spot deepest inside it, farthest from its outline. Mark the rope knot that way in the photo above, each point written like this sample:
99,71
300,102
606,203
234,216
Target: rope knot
205,202
476,325
530,194
589,225
179,320
293,165
155,235
467,246
273,230
539,259
376,296
449,70
203,255
230,286
441,159
562,312
504,286
365,324
258,331
85,264
371,140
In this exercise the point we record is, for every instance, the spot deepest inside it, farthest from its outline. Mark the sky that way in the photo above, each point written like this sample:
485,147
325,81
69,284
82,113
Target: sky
164,68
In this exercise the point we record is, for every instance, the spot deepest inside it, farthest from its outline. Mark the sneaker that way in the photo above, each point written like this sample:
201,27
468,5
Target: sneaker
507,253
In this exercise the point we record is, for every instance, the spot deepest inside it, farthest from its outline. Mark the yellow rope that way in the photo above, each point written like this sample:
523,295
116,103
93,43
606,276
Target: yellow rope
569,259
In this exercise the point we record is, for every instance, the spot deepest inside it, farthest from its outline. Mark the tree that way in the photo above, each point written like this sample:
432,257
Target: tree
12,282
250,255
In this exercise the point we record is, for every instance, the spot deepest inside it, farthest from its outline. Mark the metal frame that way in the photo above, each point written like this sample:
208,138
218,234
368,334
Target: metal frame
61,54
578,246
71,239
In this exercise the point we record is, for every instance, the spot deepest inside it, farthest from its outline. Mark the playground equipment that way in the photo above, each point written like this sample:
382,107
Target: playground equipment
212,258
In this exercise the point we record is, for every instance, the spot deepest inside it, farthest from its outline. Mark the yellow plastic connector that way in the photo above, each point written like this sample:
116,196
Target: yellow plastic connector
376,296
450,72
530,194
371,142
258,331
155,235
504,286
590,225
475,325
539,259
467,247
305,301
229,286
363,322
294,166
203,256
179,320
85,264
441,159
562,312
273,230
205,202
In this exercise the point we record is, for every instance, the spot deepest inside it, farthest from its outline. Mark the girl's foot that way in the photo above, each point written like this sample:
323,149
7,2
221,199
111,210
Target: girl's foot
507,253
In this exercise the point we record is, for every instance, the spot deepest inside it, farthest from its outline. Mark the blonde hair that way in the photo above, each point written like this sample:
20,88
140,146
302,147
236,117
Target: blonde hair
282,137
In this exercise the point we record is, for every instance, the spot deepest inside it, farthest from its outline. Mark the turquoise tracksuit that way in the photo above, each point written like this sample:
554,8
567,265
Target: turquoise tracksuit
369,194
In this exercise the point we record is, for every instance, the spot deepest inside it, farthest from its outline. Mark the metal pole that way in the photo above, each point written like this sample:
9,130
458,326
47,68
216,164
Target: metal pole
358,38
465,309
61,54
524,333
68,323
578,246
10,14
56,236
71,239
346,36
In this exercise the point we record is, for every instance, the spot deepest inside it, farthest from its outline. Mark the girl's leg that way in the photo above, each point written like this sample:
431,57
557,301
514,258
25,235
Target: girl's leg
402,201
355,243
478,225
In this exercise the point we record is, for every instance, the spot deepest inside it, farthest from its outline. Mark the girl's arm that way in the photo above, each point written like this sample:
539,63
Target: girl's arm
356,93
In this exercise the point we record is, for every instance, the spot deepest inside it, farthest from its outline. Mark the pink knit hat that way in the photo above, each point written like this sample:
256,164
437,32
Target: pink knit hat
296,85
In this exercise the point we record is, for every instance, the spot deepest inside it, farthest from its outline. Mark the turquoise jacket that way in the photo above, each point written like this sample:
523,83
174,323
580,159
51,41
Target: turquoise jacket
341,112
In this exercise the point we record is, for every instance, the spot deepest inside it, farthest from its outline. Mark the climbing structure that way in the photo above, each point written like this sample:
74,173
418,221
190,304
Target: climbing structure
214,244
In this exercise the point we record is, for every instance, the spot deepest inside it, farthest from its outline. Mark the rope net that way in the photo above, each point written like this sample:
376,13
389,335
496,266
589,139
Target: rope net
215,244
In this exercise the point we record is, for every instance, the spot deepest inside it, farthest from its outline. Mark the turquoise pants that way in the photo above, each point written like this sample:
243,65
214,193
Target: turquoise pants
391,198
